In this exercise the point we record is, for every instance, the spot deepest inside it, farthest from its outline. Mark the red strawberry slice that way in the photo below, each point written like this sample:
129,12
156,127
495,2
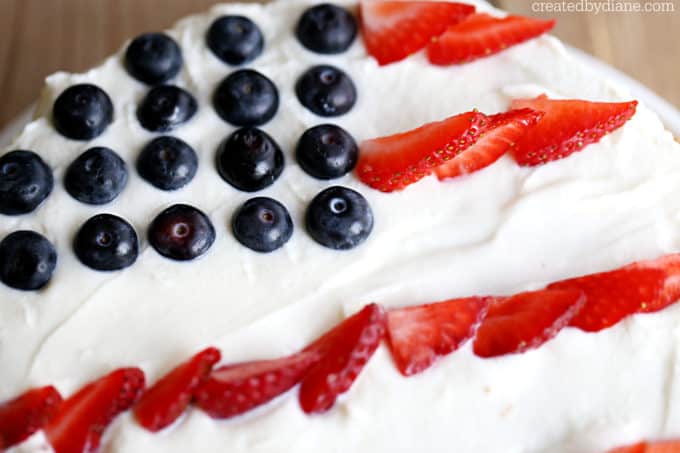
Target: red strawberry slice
392,163
163,403
665,446
394,30
234,389
503,132
418,335
481,35
78,425
525,321
567,127
26,414
346,349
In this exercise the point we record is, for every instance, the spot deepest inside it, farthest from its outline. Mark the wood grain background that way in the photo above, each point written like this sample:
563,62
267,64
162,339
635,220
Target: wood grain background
38,37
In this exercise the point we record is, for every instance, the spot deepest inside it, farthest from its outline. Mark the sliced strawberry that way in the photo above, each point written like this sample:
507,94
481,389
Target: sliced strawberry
499,138
26,414
481,35
418,335
392,163
163,403
525,321
79,423
567,127
664,446
393,30
346,350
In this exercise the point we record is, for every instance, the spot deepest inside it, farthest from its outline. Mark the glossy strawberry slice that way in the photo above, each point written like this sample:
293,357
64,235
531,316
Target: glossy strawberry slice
163,403
393,30
26,414
346,350
567,127
525,321
235,389
418,335
500,137
78,425
392,163
481,35
664,446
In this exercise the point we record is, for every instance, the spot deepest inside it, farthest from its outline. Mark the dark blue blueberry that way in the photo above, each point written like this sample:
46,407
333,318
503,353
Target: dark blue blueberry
167,163
246,98
27,260
249,159
235,39
153,58
339,218
25,182
326,29
181,233
327,152
82,112
96,177
326,91
262,224
165,107
106,243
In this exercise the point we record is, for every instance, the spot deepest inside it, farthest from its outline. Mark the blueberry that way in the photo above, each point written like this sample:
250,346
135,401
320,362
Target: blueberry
82,112
235,39
165,107
246,98
153,58
106,243
167,163
326,91
339,218
27,260
327,152
181,233
96,177
249,159
262,224
326,29
25,182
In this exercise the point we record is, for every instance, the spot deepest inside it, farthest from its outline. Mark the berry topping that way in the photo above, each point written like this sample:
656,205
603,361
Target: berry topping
181,233
393,30
166,107
394,162
345,350
166,400
106,243
418,335
567,126
167,163
96,177
246,98
27,260
327,152
525,321
262,224
153,58
25,182
82,112
23,416
339,218
80,421
249,159
481,35
326,29
235,39
661,446
326,91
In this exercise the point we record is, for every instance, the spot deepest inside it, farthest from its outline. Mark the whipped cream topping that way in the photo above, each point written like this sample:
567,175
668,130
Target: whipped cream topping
502,230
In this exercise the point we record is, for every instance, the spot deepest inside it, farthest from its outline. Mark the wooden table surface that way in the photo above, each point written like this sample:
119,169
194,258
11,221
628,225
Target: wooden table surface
38,37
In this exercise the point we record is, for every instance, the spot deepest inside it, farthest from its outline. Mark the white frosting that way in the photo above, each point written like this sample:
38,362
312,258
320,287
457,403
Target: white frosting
498,231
